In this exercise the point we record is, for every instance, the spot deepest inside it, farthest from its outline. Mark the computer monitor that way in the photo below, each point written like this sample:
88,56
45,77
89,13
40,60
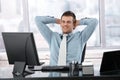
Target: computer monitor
21,50
110,63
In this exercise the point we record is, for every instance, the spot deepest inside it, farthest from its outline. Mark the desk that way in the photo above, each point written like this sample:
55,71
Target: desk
6,74
68,78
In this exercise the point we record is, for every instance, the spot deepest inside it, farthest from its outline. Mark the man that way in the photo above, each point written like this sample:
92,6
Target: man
75,40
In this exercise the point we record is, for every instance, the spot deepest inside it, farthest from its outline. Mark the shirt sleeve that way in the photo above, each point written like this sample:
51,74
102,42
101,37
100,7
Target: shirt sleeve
91,25
41,22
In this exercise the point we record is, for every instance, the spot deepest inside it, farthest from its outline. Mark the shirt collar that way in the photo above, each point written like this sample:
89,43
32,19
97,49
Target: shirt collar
68,33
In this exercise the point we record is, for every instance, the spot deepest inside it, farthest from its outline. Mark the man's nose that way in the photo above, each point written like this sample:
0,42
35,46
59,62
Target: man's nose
65,23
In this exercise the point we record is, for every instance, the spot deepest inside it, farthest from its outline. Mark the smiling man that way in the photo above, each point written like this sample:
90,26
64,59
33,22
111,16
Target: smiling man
75,40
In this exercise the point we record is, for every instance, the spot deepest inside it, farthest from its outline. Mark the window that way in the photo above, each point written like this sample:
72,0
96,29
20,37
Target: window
10,20
19,16
82,8
0,5
112,23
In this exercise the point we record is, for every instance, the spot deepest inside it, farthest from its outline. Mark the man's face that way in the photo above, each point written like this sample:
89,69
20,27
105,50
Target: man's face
67,24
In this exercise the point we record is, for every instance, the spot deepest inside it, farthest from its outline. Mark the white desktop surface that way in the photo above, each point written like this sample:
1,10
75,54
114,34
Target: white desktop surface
6,71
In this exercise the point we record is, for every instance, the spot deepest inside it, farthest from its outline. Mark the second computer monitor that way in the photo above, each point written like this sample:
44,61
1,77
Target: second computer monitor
20,47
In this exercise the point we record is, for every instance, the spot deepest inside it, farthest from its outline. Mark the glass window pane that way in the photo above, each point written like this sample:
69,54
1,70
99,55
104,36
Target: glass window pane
0,6
11,17
112,22
82,8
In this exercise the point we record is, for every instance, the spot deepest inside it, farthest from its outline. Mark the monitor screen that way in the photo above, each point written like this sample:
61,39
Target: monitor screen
110,63
21,50
20,47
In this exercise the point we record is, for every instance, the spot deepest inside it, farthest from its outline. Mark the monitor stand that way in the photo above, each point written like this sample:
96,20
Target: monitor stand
19,70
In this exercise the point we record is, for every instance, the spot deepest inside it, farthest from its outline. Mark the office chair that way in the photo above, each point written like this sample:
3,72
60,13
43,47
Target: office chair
83,53
63,68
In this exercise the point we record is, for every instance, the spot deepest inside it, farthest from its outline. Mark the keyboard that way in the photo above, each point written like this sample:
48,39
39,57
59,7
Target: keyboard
55,68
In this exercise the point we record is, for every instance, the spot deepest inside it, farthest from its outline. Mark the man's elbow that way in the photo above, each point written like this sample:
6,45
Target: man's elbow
38,19
95,21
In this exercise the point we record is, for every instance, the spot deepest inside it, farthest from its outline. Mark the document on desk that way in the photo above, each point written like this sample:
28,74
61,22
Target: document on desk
37,68
87,68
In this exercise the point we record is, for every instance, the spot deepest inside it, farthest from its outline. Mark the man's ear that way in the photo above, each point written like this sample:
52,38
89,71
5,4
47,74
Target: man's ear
74,27
74,24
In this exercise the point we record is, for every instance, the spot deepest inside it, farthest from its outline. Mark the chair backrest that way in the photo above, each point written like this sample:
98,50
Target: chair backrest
83,53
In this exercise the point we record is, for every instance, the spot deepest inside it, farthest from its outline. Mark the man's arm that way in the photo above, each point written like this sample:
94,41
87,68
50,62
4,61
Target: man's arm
91,25
41,22
77,23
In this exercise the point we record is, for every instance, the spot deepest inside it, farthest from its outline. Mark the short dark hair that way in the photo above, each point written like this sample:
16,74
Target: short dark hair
69,13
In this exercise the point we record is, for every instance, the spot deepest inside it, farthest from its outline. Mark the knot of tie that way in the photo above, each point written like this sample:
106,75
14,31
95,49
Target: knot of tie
64,35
